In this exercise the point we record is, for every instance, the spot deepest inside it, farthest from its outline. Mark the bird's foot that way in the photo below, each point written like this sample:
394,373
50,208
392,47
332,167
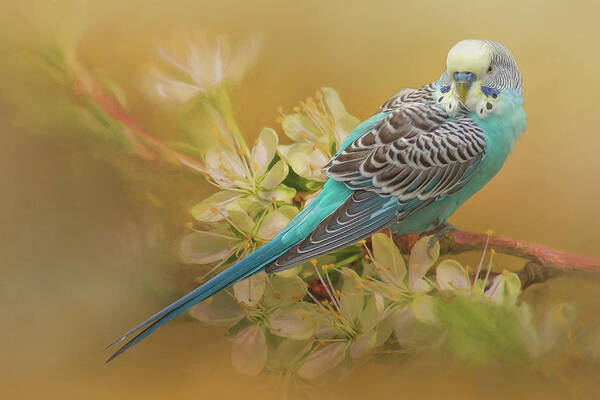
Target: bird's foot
438,233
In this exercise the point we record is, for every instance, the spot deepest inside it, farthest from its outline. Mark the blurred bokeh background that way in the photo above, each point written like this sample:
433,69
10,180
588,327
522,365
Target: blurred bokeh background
88,249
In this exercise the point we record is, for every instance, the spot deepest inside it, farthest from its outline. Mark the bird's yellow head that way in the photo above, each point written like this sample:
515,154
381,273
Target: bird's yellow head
477,72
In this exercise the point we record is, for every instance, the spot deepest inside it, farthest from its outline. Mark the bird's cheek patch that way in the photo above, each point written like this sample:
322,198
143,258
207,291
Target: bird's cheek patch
482,100
447,99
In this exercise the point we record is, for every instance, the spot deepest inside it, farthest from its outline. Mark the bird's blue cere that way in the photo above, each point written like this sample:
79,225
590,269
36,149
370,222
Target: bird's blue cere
464,76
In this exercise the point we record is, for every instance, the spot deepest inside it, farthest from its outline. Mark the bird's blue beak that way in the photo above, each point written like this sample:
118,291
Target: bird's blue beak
463,83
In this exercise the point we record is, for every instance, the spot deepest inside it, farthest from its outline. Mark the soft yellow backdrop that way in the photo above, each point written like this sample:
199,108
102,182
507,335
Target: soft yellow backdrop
69,285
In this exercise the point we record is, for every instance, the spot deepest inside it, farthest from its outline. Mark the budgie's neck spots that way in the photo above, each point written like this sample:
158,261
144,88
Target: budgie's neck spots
479,100
481,103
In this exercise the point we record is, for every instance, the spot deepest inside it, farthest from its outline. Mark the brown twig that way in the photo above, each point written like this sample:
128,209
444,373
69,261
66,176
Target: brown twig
461,241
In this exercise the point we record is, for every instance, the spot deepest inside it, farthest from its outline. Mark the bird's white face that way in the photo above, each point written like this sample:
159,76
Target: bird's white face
477,72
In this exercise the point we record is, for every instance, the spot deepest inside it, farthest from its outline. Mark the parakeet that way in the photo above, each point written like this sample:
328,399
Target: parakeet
407,168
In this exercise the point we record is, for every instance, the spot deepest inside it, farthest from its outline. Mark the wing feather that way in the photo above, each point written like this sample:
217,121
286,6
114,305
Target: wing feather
413,157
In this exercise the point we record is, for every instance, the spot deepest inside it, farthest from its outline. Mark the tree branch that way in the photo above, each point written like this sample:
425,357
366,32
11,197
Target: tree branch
551,259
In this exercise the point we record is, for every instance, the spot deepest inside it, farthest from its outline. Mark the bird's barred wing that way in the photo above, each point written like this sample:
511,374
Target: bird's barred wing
413,157
416,152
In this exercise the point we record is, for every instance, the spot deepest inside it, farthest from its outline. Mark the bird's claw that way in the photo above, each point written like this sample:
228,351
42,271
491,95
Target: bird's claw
445,228
430,245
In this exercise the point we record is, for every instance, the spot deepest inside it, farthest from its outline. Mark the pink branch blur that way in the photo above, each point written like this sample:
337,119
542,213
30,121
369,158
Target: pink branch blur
86,85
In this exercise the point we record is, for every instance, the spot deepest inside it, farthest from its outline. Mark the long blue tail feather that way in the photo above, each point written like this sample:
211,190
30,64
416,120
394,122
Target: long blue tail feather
330,198
244,268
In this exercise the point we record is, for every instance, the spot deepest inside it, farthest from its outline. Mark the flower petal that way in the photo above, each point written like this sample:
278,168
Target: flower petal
423,309
352,304
384,331
450,275
299,128
275,221
226,161
419,263
218,310
160,86
241,221
289,272
209,63
306,160
554,325
284,290
281,193
275,176
263,151
388,260
214,207
322,360
250,290
363,343
404,325
505,289
287,354
203,248
244,58
370,313
249,350
334,103
292,322
344,123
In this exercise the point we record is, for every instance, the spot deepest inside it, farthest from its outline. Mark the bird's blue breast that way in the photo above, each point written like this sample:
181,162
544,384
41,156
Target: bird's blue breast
501,130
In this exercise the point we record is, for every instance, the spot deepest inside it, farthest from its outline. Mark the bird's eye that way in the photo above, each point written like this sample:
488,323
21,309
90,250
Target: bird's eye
490,69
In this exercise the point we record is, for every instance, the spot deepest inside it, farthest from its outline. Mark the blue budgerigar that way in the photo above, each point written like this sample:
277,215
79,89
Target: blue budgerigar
406,168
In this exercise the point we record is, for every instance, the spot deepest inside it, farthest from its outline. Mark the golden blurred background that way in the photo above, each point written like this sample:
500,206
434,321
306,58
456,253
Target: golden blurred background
77,266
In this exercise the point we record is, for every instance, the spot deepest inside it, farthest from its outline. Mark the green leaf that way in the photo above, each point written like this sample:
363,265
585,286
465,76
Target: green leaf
481,331
301,184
